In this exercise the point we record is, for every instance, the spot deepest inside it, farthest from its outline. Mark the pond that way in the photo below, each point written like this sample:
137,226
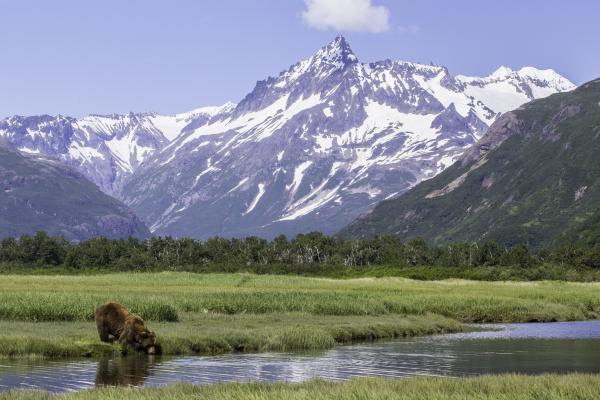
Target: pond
561,347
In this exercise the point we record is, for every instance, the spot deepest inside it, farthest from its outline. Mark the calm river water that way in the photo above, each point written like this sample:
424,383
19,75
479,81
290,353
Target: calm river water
519,348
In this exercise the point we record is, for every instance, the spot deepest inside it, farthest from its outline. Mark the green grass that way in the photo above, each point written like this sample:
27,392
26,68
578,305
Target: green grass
165,296
218,333
75,307
503,387
52,316
35,346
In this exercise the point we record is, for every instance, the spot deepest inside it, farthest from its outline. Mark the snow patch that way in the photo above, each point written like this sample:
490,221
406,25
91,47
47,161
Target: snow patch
239,185
261,192
298,177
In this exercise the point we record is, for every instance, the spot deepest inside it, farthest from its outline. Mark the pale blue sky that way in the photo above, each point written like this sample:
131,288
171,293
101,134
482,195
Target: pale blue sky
77,57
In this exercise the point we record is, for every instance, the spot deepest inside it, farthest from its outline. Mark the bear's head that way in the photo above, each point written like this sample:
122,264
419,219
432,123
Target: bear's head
145,340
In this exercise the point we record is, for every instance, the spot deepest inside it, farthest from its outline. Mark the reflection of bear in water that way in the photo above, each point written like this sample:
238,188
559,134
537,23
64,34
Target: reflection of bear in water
114,319
126,371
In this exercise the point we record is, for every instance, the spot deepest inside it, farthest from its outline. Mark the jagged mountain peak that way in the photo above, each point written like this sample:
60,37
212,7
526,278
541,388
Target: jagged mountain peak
209,111
542,78
548,77
502,72
545,75
329,59
337,53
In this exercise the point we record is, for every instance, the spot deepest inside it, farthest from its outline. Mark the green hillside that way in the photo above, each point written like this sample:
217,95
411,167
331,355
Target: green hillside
39,194
534,178
586,232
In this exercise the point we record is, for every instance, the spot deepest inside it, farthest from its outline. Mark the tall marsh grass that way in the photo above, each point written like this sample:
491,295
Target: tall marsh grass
165,296
29,306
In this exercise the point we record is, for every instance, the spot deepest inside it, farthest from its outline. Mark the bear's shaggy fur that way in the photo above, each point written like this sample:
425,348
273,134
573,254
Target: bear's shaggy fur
113,319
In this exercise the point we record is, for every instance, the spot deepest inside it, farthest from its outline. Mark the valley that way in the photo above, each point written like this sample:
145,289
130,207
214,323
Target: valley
337,221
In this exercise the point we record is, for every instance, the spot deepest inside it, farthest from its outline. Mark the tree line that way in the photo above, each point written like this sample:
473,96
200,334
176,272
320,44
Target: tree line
311,251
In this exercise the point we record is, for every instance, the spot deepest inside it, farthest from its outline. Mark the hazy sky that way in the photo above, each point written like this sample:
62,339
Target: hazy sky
76,57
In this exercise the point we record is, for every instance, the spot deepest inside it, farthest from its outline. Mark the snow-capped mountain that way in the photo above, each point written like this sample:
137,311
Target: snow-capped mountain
107,149
321,143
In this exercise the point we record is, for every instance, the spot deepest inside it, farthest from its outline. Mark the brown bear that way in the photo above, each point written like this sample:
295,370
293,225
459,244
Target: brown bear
114,319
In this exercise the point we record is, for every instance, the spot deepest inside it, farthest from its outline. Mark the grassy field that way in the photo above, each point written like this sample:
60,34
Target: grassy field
165,296
508,387
52,316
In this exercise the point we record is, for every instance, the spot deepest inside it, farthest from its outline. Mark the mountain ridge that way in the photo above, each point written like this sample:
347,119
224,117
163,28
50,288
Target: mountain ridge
308,149
106,148
316,145
533,177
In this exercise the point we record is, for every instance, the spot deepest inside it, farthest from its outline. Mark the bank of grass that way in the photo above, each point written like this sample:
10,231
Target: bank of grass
218,333
502,387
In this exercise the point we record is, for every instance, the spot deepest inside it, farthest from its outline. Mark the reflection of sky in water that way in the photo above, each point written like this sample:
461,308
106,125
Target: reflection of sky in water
48,375
554,330
568,347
